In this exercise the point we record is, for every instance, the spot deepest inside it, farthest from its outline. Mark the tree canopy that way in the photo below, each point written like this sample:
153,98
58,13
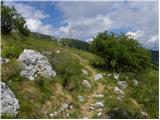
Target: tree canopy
11,21
121,52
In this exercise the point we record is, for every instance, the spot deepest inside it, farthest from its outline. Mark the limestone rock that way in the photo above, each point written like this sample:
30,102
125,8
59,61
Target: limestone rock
122,84
98,76
46,53
98,95
57,51
118,91
84,72
116,76
9,103
3,60
135,82
35,64
81,99
86,84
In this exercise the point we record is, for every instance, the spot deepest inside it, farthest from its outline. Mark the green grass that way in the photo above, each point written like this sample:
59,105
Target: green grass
35,95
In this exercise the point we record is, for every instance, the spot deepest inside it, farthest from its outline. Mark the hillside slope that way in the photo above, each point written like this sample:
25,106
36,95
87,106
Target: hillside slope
102,100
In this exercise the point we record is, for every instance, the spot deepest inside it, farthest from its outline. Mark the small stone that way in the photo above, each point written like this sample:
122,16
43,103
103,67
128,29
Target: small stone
144,113
80,98
86,83
91,108
99,114
85,118
98,95
51,114
98,76
46,52
122,84
57,51
135,82
99,110
84,72
116,76
109,75
3,60
71,107
65,106
118,91
99,104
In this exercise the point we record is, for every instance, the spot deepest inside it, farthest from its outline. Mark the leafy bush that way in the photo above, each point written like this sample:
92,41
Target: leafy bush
11,52
11,70
121,53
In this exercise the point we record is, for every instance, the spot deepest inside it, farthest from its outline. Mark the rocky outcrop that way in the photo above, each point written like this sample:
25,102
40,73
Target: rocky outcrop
35,64
98,77
9,103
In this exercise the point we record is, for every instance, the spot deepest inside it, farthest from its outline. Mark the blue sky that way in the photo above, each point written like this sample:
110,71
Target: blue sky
83,20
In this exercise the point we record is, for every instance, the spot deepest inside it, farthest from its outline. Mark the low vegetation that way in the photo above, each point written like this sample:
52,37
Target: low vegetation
110,54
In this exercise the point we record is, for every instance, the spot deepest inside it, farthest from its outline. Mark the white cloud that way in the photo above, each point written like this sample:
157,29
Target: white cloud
136,35
84,27
33,18
135,15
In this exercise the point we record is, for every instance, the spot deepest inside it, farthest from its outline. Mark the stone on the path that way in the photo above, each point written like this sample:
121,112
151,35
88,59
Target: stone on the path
57,51
46,52
122,84
86,84
80,98
109,75
116,76
35,64
65,106
9,103
91,108
104,74
84,72
144,113
135,82
99,114
98,76
118,91
85,118
4,60
99,110
98,95
51,114
99,104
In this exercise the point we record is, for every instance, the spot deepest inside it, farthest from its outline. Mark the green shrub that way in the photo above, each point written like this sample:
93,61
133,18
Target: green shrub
11,52
11,70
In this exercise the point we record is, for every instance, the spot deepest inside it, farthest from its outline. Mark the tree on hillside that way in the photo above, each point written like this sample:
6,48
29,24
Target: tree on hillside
11,21
120,52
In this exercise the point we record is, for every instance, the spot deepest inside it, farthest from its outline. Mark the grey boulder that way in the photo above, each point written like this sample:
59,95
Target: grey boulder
35,64
9,103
